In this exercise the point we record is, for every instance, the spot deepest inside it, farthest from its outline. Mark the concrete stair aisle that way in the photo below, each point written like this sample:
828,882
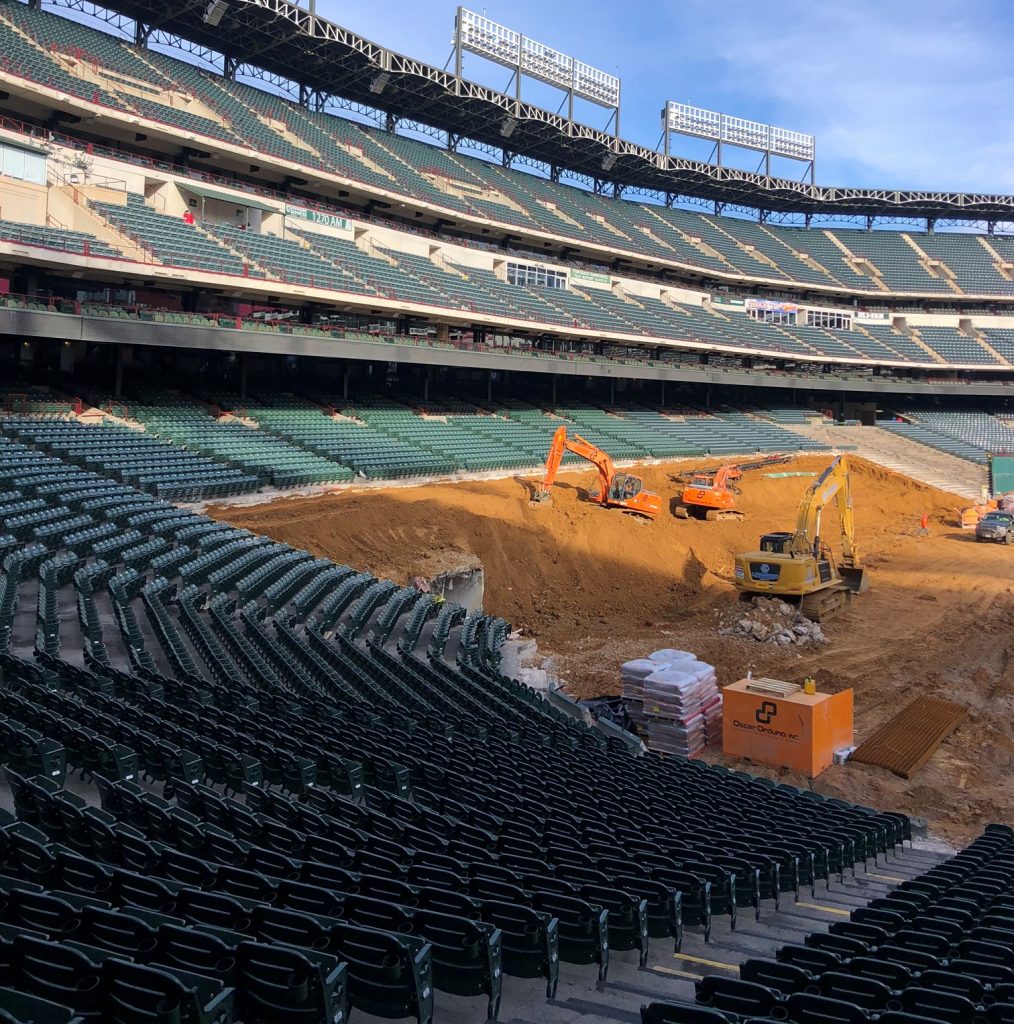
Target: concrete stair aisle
918,461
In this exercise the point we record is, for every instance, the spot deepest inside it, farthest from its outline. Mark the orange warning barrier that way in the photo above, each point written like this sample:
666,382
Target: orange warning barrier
776,723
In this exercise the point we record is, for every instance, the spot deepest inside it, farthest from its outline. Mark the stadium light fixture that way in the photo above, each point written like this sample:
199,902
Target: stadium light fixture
723,129
214,12
475,33
508,126
379,83
608,161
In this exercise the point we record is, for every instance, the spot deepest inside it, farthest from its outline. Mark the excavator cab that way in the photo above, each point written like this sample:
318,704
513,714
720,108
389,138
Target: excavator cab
624,486
776,543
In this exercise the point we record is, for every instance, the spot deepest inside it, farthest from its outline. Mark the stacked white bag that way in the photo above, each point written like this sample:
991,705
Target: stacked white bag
632,676
674,700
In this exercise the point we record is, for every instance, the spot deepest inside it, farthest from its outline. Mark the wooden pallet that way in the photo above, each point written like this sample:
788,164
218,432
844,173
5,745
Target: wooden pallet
910,739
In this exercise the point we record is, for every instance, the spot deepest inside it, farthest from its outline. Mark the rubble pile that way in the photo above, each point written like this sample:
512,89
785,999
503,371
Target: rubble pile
770,621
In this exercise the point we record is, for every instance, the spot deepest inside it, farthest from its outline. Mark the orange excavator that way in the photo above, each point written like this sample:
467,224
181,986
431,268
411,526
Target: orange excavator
711,493
616,490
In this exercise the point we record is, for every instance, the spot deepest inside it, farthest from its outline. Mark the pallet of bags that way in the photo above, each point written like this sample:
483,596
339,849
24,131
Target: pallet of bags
712,712
684,737
674,700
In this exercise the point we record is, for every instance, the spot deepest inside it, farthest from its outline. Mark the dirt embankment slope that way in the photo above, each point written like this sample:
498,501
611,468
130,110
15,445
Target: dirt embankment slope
597,587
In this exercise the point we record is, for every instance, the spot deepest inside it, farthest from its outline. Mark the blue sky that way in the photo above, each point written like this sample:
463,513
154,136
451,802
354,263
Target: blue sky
899,93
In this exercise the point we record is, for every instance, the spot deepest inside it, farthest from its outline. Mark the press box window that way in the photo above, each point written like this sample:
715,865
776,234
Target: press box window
528,275
22,164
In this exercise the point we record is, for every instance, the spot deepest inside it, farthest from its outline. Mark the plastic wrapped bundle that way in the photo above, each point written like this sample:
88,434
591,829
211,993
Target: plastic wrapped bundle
685,738
632,676
674,701
712,712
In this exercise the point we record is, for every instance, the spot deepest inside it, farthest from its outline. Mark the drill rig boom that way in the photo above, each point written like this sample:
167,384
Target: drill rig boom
711,493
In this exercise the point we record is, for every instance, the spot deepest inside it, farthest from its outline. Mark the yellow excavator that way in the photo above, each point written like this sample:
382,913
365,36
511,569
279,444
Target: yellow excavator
799,567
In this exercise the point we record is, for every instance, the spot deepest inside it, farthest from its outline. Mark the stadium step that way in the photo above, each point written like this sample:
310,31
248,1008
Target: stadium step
980,336
916,338
935,268
859,265
914,460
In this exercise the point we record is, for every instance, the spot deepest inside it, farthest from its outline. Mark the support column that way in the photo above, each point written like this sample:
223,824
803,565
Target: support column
662,382
118,384
612,391
243,368
554,390
345,383
489,385
426,385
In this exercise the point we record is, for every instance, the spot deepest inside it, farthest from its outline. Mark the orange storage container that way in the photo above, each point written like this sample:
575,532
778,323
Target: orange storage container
792,730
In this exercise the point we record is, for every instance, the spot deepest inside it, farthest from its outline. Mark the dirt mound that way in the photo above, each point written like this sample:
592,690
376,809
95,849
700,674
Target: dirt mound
597,588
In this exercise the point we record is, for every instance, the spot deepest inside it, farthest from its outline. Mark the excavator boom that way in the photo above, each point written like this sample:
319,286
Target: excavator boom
616,490
743,467
834,484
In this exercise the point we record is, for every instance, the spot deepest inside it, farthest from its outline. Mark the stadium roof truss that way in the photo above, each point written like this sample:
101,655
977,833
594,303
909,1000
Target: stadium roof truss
334,66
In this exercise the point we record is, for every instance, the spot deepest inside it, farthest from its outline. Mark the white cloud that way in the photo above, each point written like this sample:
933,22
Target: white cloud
899,94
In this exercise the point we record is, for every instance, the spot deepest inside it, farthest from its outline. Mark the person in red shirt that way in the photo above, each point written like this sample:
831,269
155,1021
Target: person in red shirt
923,526
188,217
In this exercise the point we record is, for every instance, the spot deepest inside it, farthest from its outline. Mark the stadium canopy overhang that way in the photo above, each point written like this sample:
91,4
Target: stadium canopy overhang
225,197
301,47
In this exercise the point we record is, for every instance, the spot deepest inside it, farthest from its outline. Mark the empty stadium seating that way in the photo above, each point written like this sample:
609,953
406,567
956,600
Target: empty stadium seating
930,434
327,262
169,239
135,458
937,948
953,346
234,442
279,793
61,239
969,435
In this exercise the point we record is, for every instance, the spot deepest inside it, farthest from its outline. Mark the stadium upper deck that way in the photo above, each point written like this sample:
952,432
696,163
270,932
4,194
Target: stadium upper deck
328,60
488,247
122,92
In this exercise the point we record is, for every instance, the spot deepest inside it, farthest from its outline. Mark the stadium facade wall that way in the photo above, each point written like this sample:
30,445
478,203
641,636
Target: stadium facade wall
128,334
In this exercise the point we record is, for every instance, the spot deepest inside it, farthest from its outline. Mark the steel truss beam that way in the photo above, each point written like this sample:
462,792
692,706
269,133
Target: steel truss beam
294,44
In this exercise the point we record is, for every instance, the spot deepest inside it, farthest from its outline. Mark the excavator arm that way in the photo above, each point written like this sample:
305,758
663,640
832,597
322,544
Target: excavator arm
725,476
586,450
834,484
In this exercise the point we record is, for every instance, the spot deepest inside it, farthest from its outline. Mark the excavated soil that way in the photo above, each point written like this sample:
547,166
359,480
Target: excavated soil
597,587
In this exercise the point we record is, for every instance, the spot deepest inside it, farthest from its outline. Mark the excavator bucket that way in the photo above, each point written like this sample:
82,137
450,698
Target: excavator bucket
557,450
854,578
